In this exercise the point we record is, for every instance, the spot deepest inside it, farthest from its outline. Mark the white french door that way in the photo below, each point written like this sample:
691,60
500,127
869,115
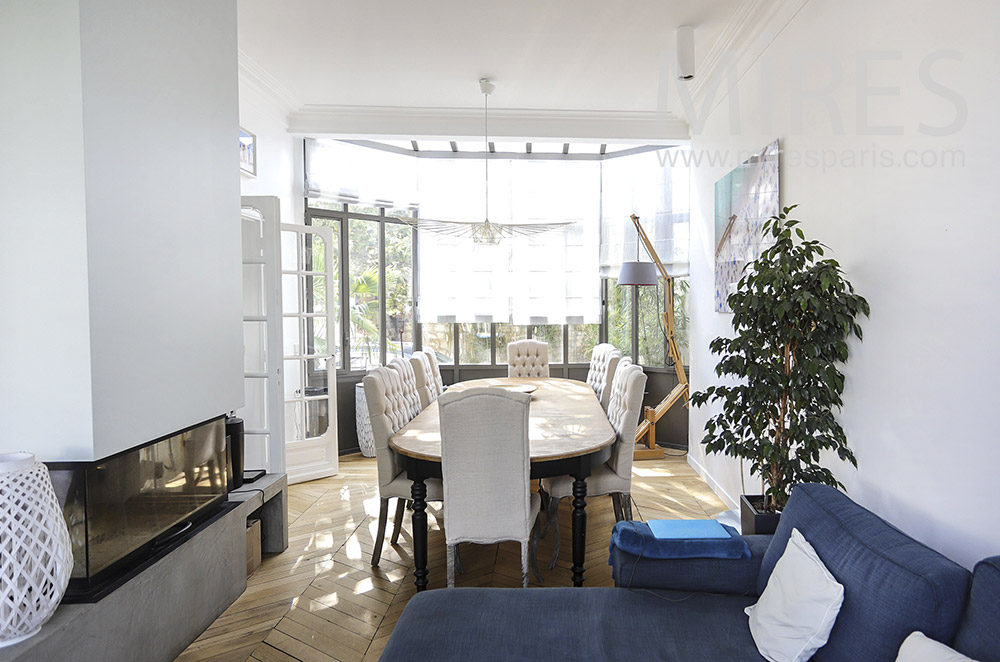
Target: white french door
263,411
310,332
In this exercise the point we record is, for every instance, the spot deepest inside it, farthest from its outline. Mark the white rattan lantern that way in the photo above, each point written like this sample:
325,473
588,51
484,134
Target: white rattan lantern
35,554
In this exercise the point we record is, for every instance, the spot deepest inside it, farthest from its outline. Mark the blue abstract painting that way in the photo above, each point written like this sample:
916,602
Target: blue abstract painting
744,199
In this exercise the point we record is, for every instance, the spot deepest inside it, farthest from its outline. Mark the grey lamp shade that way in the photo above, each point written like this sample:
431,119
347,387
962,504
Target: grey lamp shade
638,273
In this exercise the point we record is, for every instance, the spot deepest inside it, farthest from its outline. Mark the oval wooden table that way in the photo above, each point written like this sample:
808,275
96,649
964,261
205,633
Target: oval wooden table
569,434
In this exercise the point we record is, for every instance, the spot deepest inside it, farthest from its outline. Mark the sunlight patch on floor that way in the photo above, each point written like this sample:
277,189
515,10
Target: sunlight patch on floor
363,586
353,549
660,472
321,540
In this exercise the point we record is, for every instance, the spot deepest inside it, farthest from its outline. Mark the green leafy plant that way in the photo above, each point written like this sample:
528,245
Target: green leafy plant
364,310
792,316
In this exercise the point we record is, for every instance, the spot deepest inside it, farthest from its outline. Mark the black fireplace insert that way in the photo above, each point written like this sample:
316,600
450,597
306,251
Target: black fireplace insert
126,510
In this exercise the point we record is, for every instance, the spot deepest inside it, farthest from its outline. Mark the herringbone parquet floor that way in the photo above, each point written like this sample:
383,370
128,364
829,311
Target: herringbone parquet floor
321,600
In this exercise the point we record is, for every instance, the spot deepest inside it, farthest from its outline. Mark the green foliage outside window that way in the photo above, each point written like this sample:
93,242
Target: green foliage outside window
363,276
398,290
620,316
651,339
474,339
474,343
319,337
440,339
553,335
582,338
506,334
682,320
649,332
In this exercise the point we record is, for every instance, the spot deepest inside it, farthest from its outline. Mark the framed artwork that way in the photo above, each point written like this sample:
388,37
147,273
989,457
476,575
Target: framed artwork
744,200
248,153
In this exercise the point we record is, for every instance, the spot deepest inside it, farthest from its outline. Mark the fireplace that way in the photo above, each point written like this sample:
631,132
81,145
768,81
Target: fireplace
128,510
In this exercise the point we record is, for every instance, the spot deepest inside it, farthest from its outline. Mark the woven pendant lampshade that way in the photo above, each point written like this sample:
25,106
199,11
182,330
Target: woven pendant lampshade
36,558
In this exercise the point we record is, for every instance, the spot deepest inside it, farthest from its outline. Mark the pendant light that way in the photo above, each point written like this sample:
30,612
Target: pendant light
486,232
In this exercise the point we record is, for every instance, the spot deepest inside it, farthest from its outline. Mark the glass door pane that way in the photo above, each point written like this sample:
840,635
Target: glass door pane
262,409
310,311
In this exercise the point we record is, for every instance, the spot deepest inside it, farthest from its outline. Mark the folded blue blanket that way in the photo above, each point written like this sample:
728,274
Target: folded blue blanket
636,539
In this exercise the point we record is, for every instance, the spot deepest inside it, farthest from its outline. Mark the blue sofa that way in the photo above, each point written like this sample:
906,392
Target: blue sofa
692,609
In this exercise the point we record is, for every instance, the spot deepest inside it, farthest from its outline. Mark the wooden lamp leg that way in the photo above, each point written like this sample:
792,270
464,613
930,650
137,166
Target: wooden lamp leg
647,428
645,447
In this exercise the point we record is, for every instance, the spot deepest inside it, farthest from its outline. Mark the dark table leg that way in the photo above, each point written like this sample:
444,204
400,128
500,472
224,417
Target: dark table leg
579,528
419,493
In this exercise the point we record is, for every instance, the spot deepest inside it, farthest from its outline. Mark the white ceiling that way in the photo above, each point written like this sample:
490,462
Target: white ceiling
579,55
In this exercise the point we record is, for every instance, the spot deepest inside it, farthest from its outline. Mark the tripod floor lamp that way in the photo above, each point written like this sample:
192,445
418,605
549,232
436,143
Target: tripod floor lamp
649,273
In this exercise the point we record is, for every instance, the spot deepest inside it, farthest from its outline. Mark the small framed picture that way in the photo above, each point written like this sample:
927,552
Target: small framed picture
248,153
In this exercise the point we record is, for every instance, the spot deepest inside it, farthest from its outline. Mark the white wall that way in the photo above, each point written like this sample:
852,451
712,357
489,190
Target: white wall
918,242
279,154
44,306
145,257
163,216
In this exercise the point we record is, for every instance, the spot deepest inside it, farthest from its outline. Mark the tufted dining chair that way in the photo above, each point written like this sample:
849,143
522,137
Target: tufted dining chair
614,477
435,371
603,361
391,407
408,383
427,386
528,358
485,462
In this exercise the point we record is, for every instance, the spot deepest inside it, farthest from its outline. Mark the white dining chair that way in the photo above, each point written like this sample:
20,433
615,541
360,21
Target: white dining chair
408,382
426,384
435,370
528,358
485,462
614,477
390,407
603,362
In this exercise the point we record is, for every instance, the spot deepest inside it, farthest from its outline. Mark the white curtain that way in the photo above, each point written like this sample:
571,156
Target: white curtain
341,172
659,194
547,278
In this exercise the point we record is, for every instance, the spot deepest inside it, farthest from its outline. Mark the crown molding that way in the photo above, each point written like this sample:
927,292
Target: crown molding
253,76
355,122
751,29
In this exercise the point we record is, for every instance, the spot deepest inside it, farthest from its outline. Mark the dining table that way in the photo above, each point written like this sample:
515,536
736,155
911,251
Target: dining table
568,434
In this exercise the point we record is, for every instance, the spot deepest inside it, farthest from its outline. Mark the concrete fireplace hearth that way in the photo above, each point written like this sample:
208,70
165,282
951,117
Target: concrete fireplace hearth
158,612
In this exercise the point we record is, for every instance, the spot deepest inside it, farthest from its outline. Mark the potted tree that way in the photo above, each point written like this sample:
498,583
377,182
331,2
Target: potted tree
792,315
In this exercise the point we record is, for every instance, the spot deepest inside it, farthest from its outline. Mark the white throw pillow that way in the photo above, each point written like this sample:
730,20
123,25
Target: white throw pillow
795,613
918,648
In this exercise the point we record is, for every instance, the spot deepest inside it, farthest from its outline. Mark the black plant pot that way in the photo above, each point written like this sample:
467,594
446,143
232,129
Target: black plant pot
753,521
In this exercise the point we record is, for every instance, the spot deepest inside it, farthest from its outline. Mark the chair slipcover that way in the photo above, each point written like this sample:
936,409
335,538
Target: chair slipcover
614,477
485,461
390,407
436,371
603,362
624,411
528,358
408,383
426,384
